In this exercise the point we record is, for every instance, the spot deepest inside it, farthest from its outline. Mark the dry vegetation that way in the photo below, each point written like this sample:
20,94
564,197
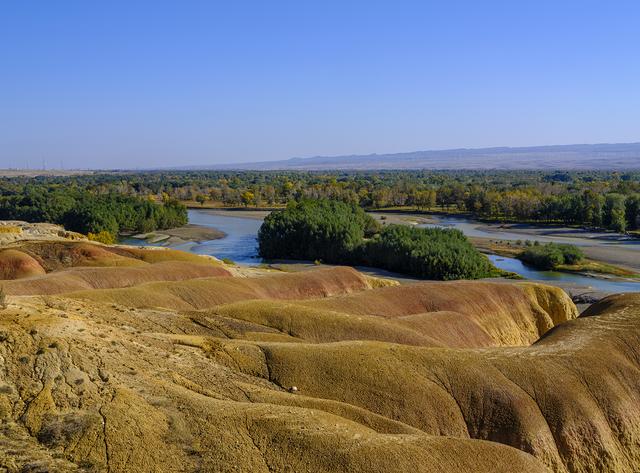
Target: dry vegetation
172,364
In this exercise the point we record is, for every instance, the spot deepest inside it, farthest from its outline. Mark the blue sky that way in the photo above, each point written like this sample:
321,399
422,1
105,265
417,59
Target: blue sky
156,83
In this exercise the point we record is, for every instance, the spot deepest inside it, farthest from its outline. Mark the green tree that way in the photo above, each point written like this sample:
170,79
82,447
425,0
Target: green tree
248,198
615,212
330,231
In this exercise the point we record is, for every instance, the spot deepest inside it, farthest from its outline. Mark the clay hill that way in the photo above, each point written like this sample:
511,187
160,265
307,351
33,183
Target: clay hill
119,359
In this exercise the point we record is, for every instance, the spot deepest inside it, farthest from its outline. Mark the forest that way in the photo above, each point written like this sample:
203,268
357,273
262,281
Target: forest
335,232
594,199
82,210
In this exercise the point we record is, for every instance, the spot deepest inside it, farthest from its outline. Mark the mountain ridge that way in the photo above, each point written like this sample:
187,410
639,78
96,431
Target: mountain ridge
615,156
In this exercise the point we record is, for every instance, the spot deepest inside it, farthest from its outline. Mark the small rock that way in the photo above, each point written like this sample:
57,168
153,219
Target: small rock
104,376
293,389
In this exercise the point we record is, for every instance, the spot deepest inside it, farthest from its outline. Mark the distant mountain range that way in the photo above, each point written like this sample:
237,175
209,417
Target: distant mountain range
618,156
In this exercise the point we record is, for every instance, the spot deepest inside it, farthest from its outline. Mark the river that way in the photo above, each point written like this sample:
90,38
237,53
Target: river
240,245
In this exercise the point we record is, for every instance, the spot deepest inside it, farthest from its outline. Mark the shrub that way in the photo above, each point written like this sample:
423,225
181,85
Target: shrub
551,255
572,254
104,236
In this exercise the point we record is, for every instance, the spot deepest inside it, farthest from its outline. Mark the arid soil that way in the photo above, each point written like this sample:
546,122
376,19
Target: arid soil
184,234
119,359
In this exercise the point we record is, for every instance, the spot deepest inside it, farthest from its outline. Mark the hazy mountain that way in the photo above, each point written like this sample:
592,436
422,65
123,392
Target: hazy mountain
593,156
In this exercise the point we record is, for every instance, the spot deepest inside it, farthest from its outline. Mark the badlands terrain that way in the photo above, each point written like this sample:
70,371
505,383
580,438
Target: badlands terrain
121,359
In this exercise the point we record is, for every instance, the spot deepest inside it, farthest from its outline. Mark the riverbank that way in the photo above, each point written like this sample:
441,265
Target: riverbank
609,254
588,267
189,233
240,245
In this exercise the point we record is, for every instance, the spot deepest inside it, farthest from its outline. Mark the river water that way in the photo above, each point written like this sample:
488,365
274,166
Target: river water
240,245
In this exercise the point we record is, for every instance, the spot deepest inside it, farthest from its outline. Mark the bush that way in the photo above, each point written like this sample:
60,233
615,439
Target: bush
104,236
551,255
572,254
336,232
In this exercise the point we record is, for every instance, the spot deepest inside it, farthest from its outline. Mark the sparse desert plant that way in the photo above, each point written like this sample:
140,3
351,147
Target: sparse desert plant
50,302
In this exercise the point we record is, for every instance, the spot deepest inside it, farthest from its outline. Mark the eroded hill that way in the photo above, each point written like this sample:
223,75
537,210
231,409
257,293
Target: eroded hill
119,359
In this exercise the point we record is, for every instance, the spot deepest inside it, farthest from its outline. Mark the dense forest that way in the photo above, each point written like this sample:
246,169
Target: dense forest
83,210
596,199
336,232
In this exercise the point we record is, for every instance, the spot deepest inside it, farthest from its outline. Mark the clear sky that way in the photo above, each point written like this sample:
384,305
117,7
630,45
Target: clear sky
168,83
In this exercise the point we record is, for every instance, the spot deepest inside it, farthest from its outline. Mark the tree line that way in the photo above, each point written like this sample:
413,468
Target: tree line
598,199
83,211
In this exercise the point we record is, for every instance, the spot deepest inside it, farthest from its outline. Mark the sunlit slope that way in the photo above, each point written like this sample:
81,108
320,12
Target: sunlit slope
15,264
205,293
197,373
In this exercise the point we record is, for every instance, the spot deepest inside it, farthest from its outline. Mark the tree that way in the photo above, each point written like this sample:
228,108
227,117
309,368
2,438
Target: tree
615,212
248,198
633,211
593,207
201,199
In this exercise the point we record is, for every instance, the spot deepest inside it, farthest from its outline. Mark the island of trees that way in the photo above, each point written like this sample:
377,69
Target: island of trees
336,232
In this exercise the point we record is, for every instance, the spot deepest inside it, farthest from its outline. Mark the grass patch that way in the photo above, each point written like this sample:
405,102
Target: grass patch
590,266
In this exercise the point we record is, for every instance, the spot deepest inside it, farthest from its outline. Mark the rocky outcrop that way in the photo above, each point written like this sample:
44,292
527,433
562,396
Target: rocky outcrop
12,231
